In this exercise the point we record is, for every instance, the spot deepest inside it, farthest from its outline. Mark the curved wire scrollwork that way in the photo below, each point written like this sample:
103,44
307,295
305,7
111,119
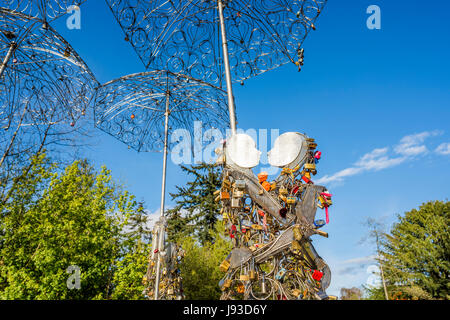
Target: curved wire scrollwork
45,86
48,10
132,108
184,36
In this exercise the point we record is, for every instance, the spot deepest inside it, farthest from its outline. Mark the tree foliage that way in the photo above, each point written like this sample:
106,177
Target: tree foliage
58,218
351,294
416,254
195,212
200,268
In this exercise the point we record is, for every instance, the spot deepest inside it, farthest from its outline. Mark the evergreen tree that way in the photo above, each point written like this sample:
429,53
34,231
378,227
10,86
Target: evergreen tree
416,254
195,212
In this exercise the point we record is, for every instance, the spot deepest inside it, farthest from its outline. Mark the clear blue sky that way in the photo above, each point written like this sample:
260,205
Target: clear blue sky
376,101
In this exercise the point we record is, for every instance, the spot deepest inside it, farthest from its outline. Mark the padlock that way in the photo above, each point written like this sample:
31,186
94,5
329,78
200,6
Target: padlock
312,145
224,266
283,191
317,275
296,245
246,224
307,174
280,274
170,291
329,202
244,277
291,200
252,273
319,223
226,184
238,193
235,203
263,177
257,227
240,288
310,166
224,195
296,293
322,200
226,284
283,198
263,285
273,186
239,184
225,216
67,52
266,185
306,179
318,155
321,206
297,233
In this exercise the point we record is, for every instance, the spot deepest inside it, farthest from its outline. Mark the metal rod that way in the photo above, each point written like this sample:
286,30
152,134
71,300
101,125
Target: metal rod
12,47
231,106
163,194
381,268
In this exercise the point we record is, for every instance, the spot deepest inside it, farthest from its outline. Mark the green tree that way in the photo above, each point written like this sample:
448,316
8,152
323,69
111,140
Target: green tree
351,293
200,267
416,254
195,212
55,219
133,263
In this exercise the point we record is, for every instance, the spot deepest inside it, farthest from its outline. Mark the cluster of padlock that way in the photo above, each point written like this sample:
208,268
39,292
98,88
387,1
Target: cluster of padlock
270,224
170,259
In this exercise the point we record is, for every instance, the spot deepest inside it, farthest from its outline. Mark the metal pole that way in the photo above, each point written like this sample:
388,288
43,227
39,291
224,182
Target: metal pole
8,56
381,269
231,107
163,193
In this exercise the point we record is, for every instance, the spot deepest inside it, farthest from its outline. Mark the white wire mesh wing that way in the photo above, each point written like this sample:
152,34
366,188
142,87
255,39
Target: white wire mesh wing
184,35
132,108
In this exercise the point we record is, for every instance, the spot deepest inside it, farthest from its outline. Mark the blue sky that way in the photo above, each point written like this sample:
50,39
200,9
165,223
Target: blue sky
376,101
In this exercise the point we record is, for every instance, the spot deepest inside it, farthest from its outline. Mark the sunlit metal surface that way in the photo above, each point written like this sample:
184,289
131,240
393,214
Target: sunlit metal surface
289,149
44,9
241,150
45,86
132,108
184,35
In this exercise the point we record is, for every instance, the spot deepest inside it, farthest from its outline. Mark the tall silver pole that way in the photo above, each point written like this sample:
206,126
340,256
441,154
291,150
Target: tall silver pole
8,56
231,107
163,193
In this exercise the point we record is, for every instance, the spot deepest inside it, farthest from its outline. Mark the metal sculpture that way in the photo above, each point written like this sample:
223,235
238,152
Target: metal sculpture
270,224
45,86
207,39
171,285
221,41
47,10
138,110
